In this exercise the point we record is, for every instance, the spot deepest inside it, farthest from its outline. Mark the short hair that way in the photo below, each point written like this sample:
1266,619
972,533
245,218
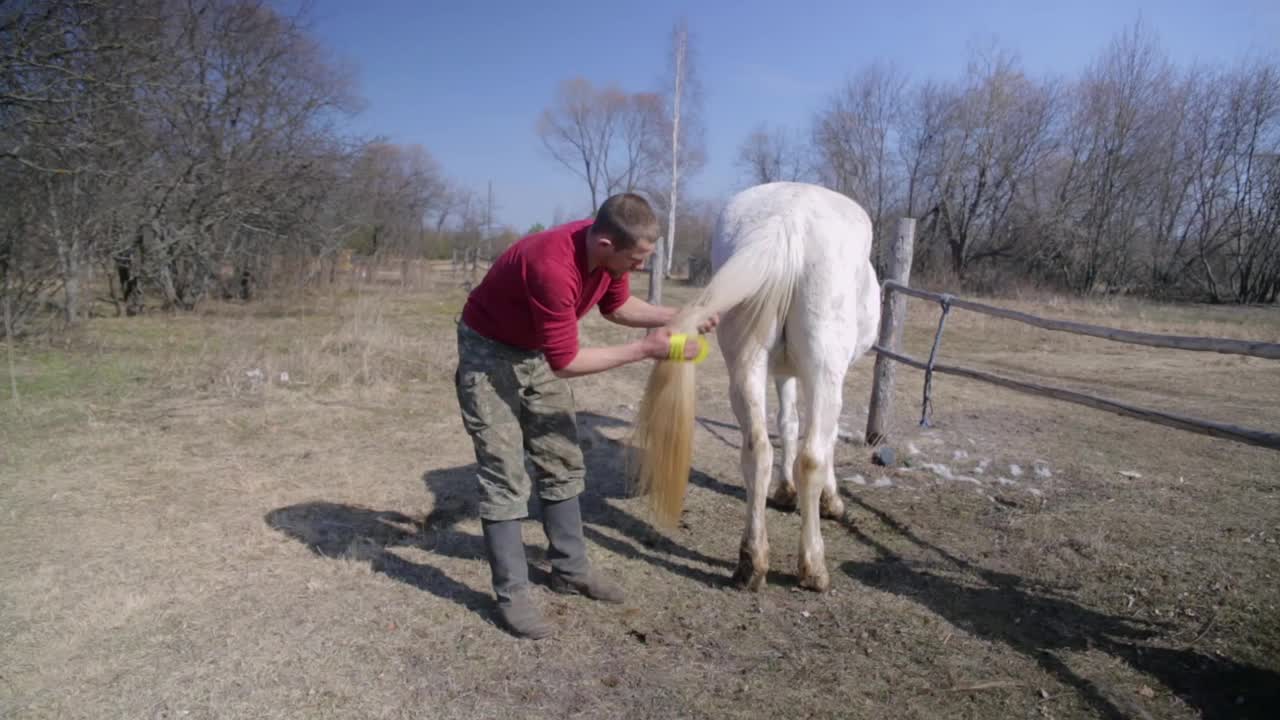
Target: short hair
626,218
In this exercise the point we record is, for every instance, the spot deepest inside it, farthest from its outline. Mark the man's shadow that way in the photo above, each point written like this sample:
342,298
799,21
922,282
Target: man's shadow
351,532
348,532
1038,623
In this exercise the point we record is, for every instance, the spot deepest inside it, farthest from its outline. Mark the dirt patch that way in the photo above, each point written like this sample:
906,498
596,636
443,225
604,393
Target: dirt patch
201,541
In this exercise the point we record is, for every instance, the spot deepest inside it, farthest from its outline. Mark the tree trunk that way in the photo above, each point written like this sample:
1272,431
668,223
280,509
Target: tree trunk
128,283
128,269
69,261
675,157
167,287
1214,297
656,264
246,283
68,247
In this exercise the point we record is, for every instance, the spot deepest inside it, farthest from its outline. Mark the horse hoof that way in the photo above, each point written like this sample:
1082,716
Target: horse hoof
749,575
748,579
816,580
784,498
831,507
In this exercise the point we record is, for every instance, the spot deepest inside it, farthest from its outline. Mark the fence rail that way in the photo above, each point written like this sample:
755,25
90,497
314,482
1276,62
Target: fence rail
889,345
1182,422
1266,350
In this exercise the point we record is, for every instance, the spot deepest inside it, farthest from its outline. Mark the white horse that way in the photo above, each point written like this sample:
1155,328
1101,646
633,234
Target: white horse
799,300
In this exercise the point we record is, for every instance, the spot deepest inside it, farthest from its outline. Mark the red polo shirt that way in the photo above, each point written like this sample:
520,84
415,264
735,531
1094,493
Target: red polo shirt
538,289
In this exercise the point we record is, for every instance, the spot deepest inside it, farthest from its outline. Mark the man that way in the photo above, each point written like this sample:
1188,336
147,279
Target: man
517,344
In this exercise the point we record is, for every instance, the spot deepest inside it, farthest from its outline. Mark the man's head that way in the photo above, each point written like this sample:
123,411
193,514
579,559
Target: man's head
623,235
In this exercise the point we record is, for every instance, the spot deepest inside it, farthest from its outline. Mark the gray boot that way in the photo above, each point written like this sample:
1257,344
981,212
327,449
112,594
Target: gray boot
504,545
570,571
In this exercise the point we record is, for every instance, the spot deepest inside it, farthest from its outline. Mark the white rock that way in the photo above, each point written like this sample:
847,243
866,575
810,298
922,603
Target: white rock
940,470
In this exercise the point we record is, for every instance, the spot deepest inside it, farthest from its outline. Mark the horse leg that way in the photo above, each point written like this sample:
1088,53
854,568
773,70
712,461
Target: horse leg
831,505
747,396
784,495
814,471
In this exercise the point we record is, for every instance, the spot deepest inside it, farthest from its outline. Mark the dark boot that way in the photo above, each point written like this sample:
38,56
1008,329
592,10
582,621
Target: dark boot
504,545
570,571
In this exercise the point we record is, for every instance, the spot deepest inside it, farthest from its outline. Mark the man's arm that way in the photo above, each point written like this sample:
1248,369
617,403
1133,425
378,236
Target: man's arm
639,314
654,345
598,359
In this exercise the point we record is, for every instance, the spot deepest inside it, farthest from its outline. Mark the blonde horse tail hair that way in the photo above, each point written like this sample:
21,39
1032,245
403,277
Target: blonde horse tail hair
757,283
662,441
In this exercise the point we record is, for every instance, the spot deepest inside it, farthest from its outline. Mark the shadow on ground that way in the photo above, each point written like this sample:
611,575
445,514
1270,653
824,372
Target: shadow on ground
350,532
1040,623
1036,620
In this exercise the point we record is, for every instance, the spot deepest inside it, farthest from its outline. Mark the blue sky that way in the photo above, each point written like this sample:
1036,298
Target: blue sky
468,79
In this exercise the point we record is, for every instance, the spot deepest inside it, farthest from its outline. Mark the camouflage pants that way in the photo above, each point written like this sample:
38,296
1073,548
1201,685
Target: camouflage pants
511,404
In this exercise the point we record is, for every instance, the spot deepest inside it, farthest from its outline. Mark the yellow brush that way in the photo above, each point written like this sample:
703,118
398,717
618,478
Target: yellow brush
678,341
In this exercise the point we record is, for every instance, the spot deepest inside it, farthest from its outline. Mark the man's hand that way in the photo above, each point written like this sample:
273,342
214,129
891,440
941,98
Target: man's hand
657,345
707,325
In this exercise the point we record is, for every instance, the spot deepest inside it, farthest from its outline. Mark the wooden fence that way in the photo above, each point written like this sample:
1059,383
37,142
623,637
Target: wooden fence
888,350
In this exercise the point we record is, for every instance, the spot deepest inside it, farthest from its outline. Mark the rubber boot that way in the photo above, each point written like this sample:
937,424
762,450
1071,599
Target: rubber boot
570,571
509,567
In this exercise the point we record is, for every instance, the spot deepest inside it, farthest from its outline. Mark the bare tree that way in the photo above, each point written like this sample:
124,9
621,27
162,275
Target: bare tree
685,154
397,187
661,264
1112,134
635,161
605,136
995,132
578,130
67,80
771,155
181,147
617,142
922,131
1249,252
853,139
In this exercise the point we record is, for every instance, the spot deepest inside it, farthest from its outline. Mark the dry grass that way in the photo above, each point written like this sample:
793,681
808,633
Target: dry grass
190,540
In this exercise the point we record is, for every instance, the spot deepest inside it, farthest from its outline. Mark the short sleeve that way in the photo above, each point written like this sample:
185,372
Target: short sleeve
618,293
554,318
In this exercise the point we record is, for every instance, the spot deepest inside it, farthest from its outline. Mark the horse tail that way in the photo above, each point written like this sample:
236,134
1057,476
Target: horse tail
756,282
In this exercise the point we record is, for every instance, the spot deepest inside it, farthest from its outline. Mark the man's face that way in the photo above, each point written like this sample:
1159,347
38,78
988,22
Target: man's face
620,262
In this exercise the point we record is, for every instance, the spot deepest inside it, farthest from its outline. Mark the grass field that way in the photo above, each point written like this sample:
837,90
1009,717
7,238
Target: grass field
265,511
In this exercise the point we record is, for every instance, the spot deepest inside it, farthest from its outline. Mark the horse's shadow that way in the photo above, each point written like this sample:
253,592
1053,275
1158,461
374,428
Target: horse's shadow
351,532
1039,622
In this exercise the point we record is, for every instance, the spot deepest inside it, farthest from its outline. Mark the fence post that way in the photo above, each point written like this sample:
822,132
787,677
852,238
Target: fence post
893,314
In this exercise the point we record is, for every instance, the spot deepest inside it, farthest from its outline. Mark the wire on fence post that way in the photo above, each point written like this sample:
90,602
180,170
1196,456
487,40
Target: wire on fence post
926,403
